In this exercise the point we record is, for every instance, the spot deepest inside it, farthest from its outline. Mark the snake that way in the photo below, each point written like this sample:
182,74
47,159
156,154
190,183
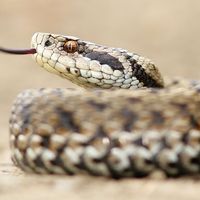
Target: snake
123,121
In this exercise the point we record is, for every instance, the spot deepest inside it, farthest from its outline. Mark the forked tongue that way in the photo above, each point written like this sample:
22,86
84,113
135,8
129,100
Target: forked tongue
17,51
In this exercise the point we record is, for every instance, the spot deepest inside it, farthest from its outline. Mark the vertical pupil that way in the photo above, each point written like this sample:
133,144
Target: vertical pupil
70,46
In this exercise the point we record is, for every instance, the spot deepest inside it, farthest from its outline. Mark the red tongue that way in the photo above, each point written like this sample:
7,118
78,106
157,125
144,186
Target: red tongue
18,51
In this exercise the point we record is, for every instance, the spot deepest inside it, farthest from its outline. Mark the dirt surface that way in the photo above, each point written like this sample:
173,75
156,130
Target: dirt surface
166,31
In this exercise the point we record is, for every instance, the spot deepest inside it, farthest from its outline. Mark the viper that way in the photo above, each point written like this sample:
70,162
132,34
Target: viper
126,122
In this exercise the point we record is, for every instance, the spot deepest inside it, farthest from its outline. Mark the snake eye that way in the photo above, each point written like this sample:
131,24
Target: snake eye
70,46
47,43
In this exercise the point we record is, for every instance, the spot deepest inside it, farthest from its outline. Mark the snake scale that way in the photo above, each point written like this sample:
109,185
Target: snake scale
128,123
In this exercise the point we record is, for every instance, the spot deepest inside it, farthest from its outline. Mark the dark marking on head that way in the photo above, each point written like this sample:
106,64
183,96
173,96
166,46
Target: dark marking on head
105,58
82,48
142,76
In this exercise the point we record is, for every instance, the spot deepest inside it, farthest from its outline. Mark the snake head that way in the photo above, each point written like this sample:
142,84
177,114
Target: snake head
92,65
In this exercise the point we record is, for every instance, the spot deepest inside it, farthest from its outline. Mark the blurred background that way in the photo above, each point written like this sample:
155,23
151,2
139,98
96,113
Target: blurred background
168,32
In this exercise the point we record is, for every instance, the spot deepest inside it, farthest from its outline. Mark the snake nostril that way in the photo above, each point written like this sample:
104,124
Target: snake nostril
47,43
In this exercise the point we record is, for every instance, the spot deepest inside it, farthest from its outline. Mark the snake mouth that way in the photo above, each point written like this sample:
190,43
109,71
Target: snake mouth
18,51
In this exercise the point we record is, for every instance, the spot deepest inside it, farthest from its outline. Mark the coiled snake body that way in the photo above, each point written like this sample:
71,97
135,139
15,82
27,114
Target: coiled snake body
114,132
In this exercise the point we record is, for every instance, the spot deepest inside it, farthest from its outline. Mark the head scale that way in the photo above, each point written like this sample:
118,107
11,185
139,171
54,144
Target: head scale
91,65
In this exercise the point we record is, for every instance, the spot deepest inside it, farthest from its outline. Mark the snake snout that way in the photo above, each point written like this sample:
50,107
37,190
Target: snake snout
39,39
34,41
48,53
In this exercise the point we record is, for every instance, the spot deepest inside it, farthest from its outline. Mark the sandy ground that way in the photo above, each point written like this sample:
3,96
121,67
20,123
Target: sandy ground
166,31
